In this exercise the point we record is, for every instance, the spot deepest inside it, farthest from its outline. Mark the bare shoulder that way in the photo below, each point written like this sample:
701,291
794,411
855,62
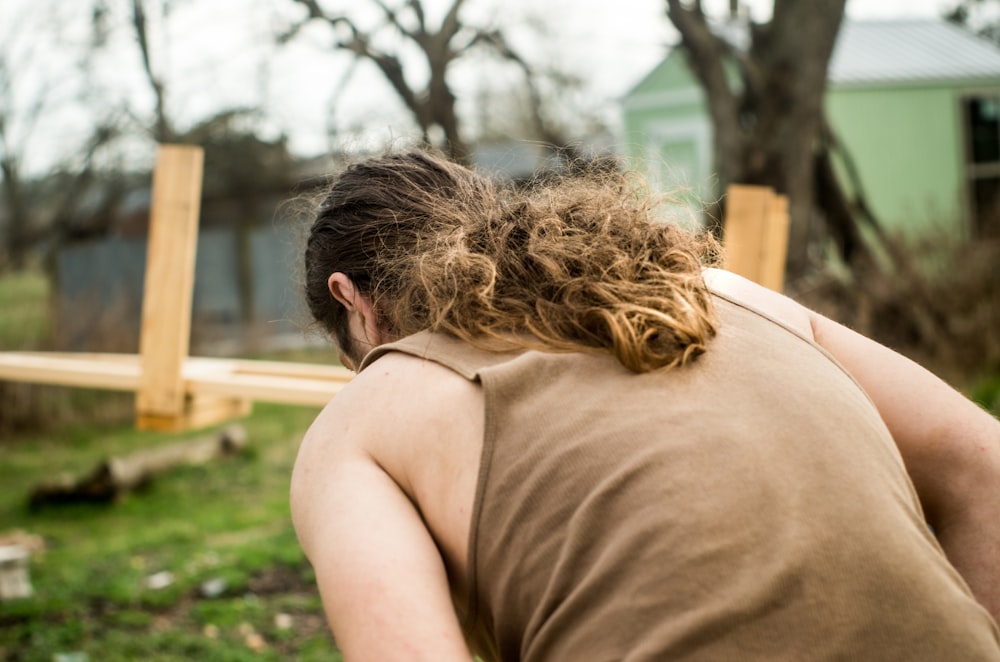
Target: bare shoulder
401,412
398,397
398,386
773,304
411,420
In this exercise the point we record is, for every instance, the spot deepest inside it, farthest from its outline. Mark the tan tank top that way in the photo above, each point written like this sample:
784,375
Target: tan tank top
750,506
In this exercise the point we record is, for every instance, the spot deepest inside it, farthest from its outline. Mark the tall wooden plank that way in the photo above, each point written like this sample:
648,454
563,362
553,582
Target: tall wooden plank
755,235
169,285
775,247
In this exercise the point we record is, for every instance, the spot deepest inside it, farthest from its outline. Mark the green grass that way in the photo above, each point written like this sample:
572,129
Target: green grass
24,300
987,393
226,521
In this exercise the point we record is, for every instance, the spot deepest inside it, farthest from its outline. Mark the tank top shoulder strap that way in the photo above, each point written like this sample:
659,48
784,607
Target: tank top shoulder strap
445,349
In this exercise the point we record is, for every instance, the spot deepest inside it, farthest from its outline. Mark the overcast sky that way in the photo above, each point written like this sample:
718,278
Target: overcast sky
219,53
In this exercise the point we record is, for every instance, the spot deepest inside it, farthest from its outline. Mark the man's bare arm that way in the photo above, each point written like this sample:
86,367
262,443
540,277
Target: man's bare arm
381,578
950,446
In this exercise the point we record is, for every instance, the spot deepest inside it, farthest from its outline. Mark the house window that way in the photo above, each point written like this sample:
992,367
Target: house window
981,116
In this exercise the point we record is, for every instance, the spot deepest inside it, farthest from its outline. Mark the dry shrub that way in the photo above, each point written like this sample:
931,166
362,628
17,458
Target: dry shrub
936,300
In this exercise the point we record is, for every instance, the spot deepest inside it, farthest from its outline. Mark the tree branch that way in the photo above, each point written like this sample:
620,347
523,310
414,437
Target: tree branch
431,105
392,69
163,132
315,11
359,44
418,10
495,40
706,54
393,17
705,49
451,25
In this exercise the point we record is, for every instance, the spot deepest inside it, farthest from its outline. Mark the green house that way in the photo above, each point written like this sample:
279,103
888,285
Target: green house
916,103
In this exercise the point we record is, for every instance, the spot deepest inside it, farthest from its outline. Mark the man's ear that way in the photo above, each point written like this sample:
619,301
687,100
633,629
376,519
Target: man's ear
343,290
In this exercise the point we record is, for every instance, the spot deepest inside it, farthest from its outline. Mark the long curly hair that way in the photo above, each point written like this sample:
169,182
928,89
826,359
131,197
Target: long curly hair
576,263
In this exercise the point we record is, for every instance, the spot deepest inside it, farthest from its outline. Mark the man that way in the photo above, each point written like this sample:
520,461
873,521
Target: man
568,440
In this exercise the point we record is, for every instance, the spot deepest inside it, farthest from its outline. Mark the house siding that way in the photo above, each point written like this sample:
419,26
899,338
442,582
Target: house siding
894,100
668,135
906,143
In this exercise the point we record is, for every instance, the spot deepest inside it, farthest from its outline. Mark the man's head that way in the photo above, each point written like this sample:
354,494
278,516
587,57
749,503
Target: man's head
375,214
411,242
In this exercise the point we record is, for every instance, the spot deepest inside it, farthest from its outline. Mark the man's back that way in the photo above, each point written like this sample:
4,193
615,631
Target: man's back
748,506
621,509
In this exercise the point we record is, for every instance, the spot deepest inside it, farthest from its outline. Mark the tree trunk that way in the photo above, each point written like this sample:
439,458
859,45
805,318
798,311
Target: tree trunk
17,216
766,127
442,109
163,131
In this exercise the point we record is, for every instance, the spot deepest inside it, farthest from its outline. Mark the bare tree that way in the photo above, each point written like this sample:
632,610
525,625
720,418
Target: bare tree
431,102
980,16
11,150
163,129
18,120
240,166
769,125
36,208
543,90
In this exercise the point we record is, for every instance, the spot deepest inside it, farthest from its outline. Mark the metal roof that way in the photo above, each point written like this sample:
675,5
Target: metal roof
910,51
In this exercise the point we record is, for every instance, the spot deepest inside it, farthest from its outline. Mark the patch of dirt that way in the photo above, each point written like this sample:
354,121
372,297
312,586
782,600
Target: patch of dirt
280,579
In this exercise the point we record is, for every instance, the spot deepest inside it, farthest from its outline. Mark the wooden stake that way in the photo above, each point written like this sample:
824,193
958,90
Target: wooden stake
756,234
169,285
774,248
176,392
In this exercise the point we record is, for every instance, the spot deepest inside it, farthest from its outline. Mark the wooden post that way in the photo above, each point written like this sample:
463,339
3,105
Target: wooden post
169,286
162,402
175,391
774,249
755,236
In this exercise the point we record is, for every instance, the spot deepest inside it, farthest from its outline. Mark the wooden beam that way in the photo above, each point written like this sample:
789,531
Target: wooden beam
169,284
87,371
199,411
212,387
174,391
755,236
267,388
774,247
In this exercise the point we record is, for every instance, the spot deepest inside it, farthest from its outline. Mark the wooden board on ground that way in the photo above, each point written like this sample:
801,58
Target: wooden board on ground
114,477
